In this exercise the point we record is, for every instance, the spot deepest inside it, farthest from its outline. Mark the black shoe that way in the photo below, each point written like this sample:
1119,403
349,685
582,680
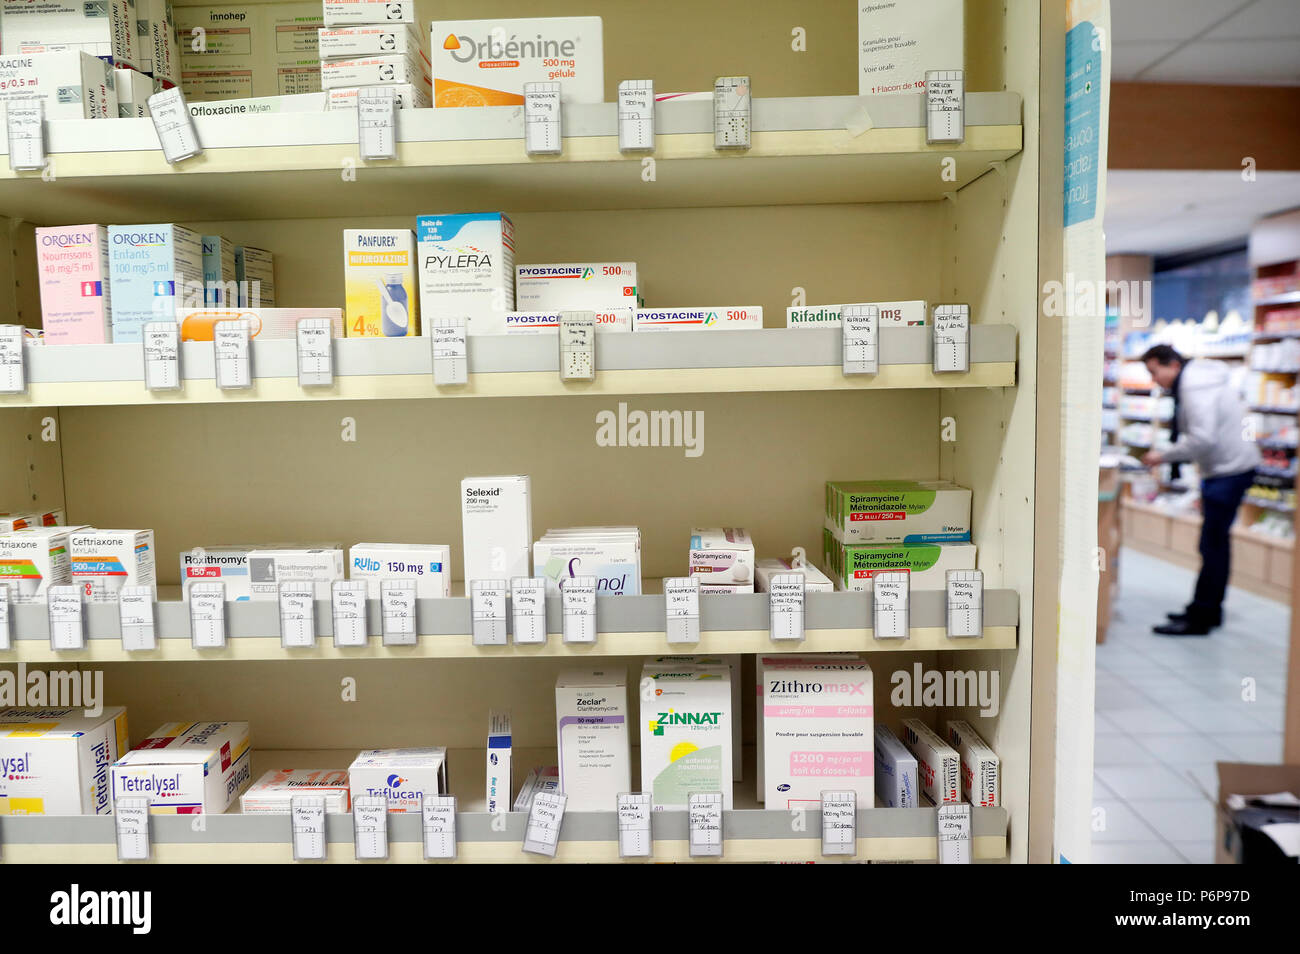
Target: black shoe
1182,627
1182,618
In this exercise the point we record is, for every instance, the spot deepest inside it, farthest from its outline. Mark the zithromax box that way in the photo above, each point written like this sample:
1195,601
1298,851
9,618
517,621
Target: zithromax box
187,768
104,561
467,263
72,265
56,761
686,734
592,738
980,778
938,765
896,776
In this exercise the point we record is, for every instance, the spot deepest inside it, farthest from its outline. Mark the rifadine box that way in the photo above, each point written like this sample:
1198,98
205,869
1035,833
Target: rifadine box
104,561
937,763
72,261
487,62
686,734
467,268
153,269
592,736
590,286
57,761
187,768
897,511
852,565
379,283
893,314
980,779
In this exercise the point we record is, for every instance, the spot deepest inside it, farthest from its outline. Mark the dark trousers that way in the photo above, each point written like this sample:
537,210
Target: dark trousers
1220,498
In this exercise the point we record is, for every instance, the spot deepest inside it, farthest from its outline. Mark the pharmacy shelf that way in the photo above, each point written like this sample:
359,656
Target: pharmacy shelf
1275,335
1283,298
806,150
627,626
767,359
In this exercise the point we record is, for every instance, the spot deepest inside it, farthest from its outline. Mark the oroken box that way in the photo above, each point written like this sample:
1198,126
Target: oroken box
899,40
896,774
56,761
72,264
981,781
187,768
403,776
898,511
686,734
153,270
592,738
938,765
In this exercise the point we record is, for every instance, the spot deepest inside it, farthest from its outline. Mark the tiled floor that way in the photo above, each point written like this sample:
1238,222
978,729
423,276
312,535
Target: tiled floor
1168,709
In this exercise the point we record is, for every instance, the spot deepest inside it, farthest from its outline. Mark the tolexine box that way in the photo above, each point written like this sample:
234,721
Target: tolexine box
275,791
937,763
899,40
188,768
980,781
467,268
72,262
57,761
69,83
897,511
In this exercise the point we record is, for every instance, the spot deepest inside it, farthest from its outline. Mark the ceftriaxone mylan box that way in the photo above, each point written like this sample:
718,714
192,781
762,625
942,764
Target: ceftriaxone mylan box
897,511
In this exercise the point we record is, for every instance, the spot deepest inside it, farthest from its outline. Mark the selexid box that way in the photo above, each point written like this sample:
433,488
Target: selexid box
188,768
72,264
937,763
980,779
57,761
897,511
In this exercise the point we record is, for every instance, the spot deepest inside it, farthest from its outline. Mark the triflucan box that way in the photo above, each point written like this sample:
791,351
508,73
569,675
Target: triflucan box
56,761
403,776
497,526
686,734
717,318
274,792
592,738
428,564
938,765
104,561
187,768
72,266
487,62
380,283
981,781
467,263
500,778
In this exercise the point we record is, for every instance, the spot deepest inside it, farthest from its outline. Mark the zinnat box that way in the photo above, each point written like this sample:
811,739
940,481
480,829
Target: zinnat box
898,511
72,263
592,737
57,761
467,266
187,768
686,734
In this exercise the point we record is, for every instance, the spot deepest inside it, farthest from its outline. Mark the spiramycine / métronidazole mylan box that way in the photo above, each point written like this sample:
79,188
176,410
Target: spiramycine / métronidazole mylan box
852,565
592,737
379,283
898,511
686,734
57,761
72,263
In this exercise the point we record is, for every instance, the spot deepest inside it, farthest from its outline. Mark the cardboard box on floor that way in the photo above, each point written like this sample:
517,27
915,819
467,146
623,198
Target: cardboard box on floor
1241,778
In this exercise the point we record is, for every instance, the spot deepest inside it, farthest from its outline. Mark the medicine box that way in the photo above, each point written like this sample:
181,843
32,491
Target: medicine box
896,778
429,565
407,95
72,264
69,83
34,559
104,561
274,792
497,527
583,286
9,522
817,729
722,556
893,314
379,283
686,734
255,273
616,320
105,29
153,270
543,778
403,776
267,569
222,564
487,62
347,12
852,565
56,761
53,518
133,90
198,324
937,763
371,39
157,45
717,318
187,768
898,41
467,264
733,663
259,105
219,287
613,558
500,781
898,511
410,68
814,580
980,778
592,738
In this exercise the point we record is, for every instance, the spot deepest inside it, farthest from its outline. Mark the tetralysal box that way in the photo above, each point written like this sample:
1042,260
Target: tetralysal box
938,765
428,564
542,778
896,778
255,273
722,556
153,270
706,318
980,778
497,527
898,511
852,565
105,29
199,324
487,62
403,776
585,286
817,729
133,90
686,734
592,736
893,314
104,561
814,580
56,761
72,263
219,288
379,283
899,40
616,320
220,564
467,268
188,768
267,569
274,792
34,559
69,83
500,780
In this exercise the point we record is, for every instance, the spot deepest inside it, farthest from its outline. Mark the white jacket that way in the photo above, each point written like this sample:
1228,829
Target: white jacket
1212,430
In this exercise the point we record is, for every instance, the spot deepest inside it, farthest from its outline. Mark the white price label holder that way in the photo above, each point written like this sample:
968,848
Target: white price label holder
438,813
577,346
397,604
682,609
131,825
135,614
861,329
6,634
839,823
208,615
543,135
891,599
488,612
13,370
542,834
370,827
67,618
951,338
578,602
161,341
954,834
307,820
965,603
175,128
945,106
26,121
636,116
315,353
634,838
377,122
731,112
450,339
704,818
785,598
528,610
297,614
348,608
232,353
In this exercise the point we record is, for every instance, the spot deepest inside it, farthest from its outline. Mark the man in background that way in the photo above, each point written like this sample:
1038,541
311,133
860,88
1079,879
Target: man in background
1207,430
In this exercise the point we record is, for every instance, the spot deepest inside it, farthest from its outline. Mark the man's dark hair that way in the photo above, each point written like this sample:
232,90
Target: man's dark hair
1162,354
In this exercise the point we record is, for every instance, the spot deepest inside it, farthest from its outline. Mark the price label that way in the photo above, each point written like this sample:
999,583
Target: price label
528,610
965,603
542,130
232,354
135,612
450,351
377,122
951,338
370,827
131,822
315,353
348,606
542,834
945,106
954,834
439,816
890,598
839,823
682,608
861,330
634,838
67,620
577,346
6,635
785,596
26,122
397,610
13,371
488,612
308,820
636,116
161,341
578,601
297,614
175,128
208,615
704,816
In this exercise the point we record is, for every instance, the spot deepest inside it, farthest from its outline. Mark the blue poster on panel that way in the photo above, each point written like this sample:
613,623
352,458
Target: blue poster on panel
1082,121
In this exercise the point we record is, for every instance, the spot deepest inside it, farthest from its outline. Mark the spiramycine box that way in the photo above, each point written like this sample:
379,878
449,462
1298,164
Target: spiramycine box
898,511
467,264
686,734
188,768
817,729
592,735
72,262
152,270
379,283
56,761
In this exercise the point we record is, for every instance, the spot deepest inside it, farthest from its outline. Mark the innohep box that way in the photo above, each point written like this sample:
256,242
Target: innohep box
686,734
188,768
56,761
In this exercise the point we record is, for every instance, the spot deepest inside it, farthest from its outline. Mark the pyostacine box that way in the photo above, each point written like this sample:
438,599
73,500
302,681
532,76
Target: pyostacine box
188,767
152,270
56,761
897,511
72,261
